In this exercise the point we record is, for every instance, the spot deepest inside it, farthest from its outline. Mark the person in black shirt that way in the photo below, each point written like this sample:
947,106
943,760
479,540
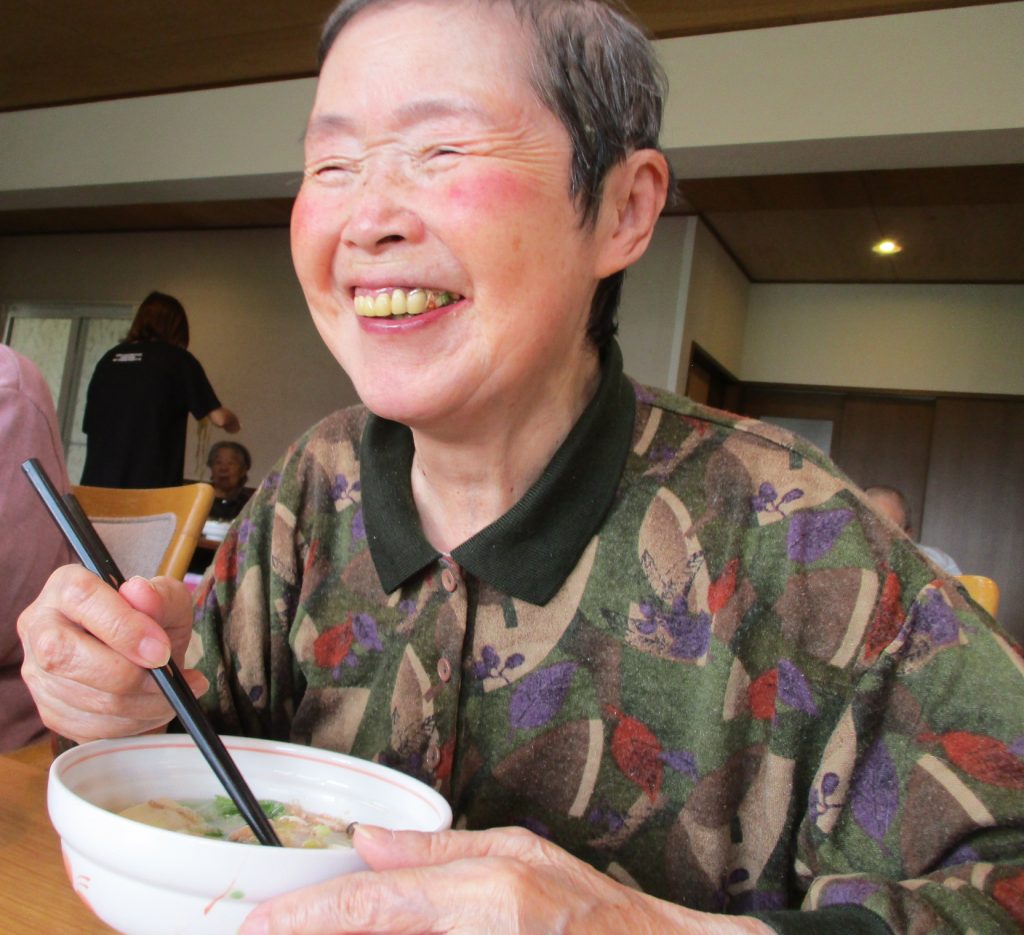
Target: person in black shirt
139,398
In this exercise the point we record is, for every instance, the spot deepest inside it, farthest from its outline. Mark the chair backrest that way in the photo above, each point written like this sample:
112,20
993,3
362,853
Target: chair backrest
983,591
148,532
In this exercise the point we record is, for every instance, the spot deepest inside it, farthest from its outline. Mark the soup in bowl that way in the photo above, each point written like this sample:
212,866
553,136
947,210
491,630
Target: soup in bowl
139,878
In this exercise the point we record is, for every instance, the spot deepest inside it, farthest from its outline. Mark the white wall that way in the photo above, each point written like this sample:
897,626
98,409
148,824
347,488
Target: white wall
652,310
219,134
939,87
716,306
248,318
966,339
874,92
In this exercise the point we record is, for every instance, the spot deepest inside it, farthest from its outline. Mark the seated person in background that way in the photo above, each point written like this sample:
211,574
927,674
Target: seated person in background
891,503
30,546
229,464
668,667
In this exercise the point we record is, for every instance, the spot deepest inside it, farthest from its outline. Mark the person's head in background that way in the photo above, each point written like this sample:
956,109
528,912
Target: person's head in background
891,503
229,464
160,317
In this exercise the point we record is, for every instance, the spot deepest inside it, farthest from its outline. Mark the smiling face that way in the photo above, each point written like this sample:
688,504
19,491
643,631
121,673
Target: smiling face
434,236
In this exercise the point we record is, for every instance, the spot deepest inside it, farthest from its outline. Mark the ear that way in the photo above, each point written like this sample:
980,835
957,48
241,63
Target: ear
634,195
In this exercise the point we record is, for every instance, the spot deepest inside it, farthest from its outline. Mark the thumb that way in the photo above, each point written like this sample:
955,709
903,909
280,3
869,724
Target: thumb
163,599
166,602
383,849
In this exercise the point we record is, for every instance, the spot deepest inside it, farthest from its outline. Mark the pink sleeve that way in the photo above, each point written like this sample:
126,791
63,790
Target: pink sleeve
31,546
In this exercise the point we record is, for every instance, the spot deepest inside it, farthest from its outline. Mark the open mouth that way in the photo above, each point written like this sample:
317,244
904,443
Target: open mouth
401,303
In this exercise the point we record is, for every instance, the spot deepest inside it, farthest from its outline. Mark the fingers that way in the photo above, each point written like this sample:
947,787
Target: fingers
407,902
84,644
165,600
383,849
73,595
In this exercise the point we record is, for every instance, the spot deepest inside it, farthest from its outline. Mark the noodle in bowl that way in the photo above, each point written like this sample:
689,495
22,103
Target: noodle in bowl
143,880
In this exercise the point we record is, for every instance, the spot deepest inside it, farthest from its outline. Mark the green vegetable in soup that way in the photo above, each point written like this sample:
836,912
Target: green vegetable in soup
219,818
225,807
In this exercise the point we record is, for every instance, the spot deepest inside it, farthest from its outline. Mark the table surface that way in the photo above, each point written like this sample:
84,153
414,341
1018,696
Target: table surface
35,895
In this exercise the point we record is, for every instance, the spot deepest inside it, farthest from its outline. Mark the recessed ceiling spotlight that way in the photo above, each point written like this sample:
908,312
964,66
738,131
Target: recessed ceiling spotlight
886,247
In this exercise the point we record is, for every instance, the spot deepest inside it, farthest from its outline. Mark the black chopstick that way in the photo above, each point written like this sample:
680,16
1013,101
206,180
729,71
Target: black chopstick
80,533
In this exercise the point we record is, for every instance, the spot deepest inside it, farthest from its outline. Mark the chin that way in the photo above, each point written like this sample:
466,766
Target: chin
389,403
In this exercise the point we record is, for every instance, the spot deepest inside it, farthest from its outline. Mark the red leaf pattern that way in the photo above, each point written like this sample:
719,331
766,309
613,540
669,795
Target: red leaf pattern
981,757
1009,893
762,694
332,646
888,620
721,590
637,752
444,766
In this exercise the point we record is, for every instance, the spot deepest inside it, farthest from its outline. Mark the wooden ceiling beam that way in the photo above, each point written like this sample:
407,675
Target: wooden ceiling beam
673,18
66,51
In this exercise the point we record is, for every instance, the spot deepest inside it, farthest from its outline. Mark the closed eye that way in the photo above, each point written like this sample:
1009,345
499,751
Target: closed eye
332,169
442,152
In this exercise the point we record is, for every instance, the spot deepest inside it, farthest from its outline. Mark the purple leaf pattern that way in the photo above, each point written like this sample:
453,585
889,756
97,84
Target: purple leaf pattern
793,688
844,892
358,526
539,697
818,800
364,628
812,535
682,761
767,499
874,798
489,665
341,490
607,818
937,621
690,633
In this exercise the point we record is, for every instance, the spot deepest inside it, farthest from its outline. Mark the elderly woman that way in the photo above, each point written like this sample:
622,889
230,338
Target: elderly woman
674,648
229,464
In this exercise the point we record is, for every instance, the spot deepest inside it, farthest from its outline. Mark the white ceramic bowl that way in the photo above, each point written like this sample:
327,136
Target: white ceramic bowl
147,881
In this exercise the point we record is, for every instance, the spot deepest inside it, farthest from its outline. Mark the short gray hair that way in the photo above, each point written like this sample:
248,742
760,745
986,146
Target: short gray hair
595,70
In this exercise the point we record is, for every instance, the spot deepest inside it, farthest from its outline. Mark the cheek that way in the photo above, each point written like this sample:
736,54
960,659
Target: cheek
501,206
486,189
312,239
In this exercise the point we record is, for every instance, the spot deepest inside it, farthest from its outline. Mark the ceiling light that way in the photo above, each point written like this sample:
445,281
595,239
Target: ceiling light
886,247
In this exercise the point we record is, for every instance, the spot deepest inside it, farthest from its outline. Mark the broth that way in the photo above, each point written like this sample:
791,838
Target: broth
219,818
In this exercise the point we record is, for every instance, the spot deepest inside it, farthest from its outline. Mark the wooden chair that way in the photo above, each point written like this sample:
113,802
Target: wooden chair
148,532
983,591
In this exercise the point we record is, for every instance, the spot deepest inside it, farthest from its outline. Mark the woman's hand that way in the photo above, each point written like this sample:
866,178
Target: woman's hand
506,880
85,643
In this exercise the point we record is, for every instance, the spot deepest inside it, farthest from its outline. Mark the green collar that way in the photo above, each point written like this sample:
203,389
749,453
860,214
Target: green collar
530,551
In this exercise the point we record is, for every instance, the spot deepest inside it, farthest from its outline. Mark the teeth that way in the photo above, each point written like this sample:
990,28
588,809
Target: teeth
416,303
400,302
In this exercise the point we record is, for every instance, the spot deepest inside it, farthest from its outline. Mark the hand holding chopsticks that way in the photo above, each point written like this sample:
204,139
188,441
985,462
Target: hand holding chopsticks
90,550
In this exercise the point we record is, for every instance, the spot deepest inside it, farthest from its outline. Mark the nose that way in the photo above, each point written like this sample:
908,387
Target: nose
380,210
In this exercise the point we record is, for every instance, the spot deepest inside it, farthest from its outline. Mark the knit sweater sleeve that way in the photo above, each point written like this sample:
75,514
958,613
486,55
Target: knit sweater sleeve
916,812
